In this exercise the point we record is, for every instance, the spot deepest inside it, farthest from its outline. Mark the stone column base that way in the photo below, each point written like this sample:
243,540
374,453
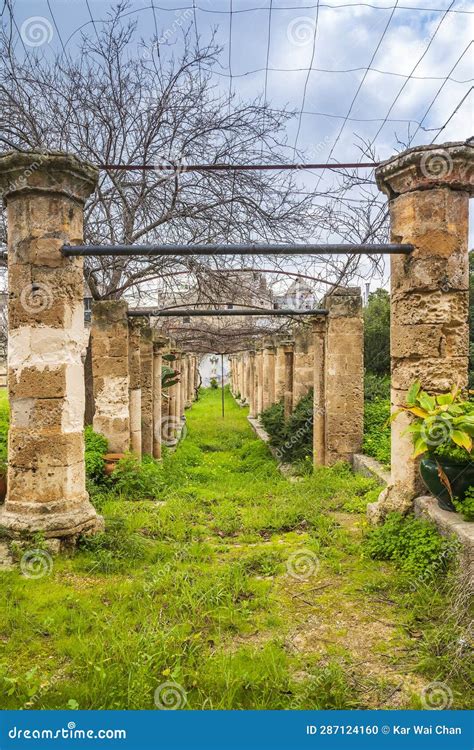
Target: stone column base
394,498
66,525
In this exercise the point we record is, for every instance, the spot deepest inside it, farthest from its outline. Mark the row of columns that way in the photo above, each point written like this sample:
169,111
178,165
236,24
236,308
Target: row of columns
327,355
130,407
428,190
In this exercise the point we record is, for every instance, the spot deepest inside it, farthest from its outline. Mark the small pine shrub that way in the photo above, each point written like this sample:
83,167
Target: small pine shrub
292,438
413,545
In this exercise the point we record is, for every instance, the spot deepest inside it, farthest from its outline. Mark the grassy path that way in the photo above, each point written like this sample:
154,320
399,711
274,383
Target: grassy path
242,589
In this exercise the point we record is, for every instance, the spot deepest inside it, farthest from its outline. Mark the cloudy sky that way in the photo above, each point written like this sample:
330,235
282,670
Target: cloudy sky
421,61
387,72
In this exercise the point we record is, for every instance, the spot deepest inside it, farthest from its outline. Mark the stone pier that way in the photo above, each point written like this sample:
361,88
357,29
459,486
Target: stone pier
135,389
146,385
303,361
428,189
288,392
45,194
109,353
252,385
344,375
268,375
259,378
159,344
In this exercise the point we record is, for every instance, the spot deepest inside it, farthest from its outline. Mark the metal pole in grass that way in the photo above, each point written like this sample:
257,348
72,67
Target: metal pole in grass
222,385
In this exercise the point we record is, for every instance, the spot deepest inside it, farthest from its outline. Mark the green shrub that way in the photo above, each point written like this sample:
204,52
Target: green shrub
96,446
376,441
466,506
138,480
213,383
413,545
376,386
292,438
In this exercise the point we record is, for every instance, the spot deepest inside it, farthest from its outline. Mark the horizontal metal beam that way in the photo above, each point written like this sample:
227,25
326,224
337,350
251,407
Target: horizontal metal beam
139,312
251,248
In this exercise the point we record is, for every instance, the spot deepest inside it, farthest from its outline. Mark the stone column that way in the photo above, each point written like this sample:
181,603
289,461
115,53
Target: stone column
344,378
319,391
268,375
303,362
288,394
135,392
146,368
252,385
109,353
280,356
259,371
189,381
428,189
44,194
159,343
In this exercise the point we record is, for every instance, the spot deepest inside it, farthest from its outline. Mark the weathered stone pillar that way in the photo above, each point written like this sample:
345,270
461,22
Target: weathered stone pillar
159,343
189,381
146,368
319,391
135,389
109,352
259,373
252,385
344,379
243,359
44,194
303,362
428,189
288,393
280,371
268,375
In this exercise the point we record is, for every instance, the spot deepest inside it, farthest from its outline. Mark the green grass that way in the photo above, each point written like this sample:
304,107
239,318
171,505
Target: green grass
247,590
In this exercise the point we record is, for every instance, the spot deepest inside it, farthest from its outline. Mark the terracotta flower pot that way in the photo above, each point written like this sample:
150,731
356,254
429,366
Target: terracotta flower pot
110,462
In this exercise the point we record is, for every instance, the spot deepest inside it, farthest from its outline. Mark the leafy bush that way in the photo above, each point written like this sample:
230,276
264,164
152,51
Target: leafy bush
377,333
376,386
292,438
412,544
96,446
214,384
376,441
443,421
138,480
466,506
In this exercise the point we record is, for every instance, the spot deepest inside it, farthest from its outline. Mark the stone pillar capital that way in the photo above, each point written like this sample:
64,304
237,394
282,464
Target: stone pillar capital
51,172
109,311
344,301
426,167
159,342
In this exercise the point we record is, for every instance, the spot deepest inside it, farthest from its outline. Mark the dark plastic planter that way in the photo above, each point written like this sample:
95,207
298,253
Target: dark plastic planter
460,475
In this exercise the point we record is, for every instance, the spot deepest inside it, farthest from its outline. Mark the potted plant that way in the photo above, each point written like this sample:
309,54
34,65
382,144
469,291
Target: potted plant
442,431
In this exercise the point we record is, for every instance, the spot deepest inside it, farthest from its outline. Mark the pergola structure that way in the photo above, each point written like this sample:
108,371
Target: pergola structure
45,195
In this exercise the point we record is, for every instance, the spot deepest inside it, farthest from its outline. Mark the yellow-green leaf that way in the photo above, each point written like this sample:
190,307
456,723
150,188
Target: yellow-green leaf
462,439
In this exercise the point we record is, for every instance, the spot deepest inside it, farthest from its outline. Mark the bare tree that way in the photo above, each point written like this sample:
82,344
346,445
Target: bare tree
111,105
